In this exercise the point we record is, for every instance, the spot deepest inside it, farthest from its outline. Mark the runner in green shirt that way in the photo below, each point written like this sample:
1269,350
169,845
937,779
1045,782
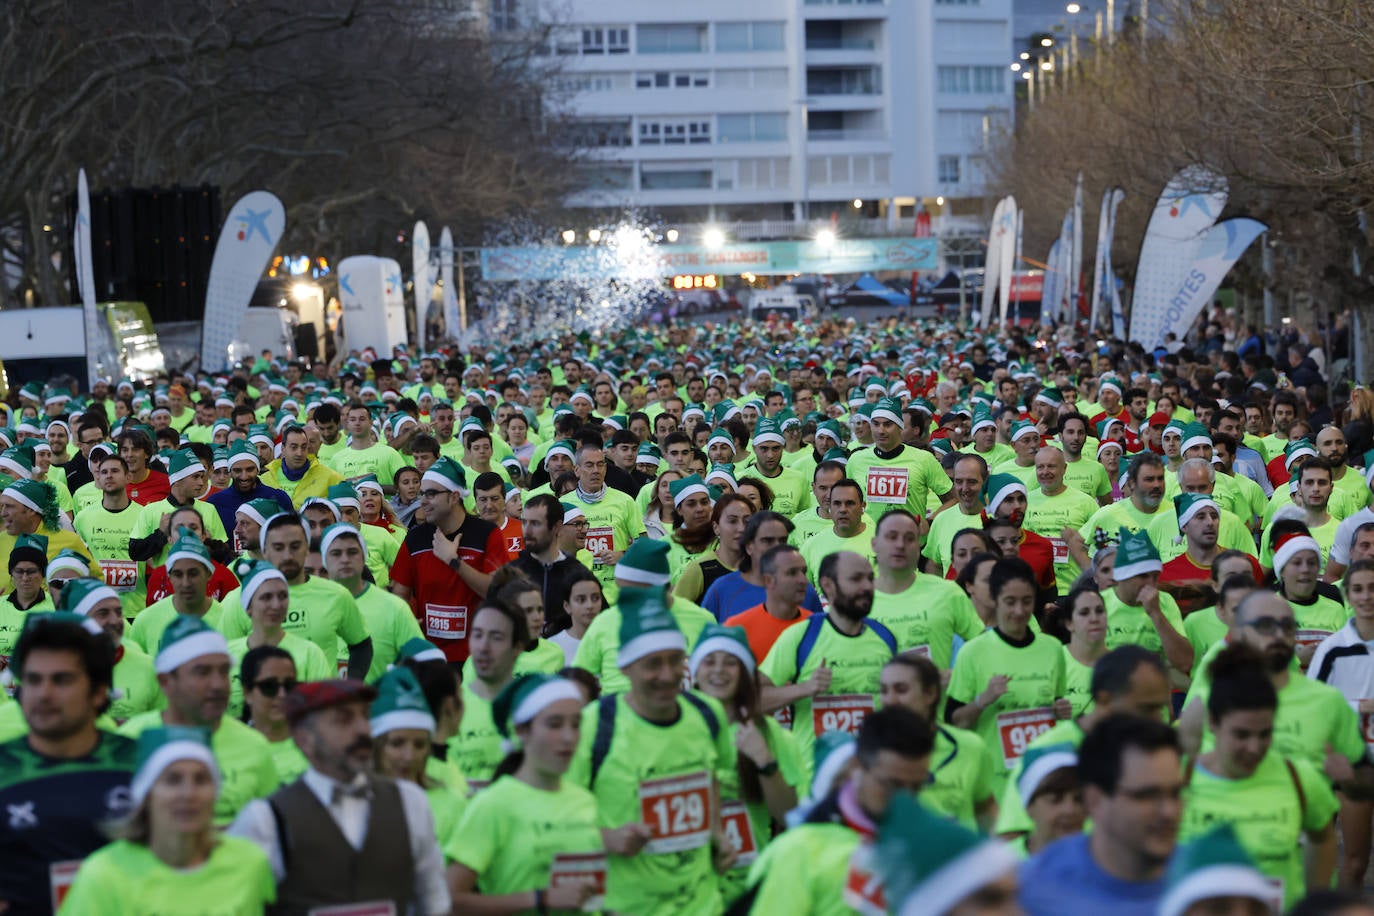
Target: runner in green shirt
652,757
1054,509
188,569
894,474
1025,439
827,667
984,442
1085,475
969,473
390,621
1081,614
1207,626
1146,478
364,454
1138,612
1318,606
267,596
498,637
791,494
614,521
1008,685
850,530
268,674
816,517
1273,801
961,776
106,527
925,613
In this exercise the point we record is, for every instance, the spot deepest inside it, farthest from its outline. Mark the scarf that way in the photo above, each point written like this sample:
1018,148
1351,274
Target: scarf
591,497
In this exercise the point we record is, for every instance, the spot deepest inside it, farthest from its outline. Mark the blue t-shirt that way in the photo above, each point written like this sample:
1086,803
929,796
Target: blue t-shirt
1063,880
730,595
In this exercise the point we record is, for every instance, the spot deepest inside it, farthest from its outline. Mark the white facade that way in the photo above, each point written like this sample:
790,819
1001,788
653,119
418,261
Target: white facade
784,109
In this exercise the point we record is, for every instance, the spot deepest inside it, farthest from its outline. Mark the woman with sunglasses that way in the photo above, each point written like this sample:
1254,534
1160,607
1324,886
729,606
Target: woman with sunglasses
265,599
268,674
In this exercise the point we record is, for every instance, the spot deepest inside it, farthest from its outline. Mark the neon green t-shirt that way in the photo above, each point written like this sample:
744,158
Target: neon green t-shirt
783,746
791,489
244,758
150,519
287,759
545,658
107,534
1024,474
136,681
147,629
390,622
855,663
1087,476
807,524
319,610
805,870
1130,625
448,807
914,472
613,523
662,774
476,749
828,542
378,458
511,832
1111,518
930,613
1078,680
601,643
1048,516
1269,812
943,528
961,775
127,879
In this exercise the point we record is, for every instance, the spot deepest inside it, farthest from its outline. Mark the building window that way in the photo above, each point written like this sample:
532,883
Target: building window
746,128
602,134
674,131
971,80
606,40
948,170
504,17
666,79
671,38
675,179
749,36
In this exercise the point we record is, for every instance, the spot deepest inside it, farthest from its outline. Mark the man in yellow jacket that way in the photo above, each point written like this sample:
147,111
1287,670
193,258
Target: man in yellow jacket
295,473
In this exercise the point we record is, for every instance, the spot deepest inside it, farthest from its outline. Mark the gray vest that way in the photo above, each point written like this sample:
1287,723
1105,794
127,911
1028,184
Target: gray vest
323,869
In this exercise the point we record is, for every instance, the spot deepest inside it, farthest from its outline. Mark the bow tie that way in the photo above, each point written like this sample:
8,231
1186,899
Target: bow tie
362,791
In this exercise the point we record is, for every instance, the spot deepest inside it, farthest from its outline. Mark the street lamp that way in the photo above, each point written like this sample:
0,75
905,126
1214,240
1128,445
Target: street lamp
858,204
1047,65
1073,9
825,238
1025,55
940,201
594,235
569,236
1016,68
713,237
671,235
1047,42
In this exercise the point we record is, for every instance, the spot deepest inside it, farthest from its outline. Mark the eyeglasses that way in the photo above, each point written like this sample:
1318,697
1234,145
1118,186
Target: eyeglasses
432,494
26,573
1268,626
271,686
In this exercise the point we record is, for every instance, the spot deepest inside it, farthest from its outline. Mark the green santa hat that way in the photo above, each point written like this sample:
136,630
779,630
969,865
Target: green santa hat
368,482
722,435
32,547
181,464
722,472
418,649
79,596
259,510
724,411
1104,426
929,863
1111,383
645,563
1023,428
649,454
1213,865
616,421
982,417
999,487
768,431
160,747
1135,556
38,495
338,530
1195,434
187,638
830,429
400,703
260,434
693,411
686,487
344,495
836,454
716,638
1050,396
787,420
1040,762
529,695
889,409
242,450
1186,505
254,577
17,461
446,474
646,626
572,512
561,447
1298,448
189,547
1173,428
833,751
68,559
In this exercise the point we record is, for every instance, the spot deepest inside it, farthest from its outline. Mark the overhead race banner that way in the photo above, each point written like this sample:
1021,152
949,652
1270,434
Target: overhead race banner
422,280
85,280
1191,203
245,245
992,260
572,262
1010,225
1221,247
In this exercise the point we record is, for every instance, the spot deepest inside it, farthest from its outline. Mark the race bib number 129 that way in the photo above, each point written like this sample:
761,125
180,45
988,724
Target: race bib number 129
678,811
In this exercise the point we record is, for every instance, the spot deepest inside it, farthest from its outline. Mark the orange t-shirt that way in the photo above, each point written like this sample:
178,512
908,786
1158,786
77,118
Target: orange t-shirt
762,628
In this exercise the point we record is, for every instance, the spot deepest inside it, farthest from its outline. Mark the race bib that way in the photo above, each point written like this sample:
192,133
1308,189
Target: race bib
863,888
1310,639
1061,550
581,868
887,485
841,712
1020,727
678,812
60,878
599,540
120,575
922,651
1367,727
375,908
784,717
445,621
738,828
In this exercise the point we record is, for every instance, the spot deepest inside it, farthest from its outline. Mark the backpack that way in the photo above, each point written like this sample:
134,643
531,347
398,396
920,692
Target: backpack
816,622
605,727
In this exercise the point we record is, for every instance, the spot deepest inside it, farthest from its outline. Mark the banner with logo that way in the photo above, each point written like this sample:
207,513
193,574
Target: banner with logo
1007,251
452,324
245,245
1220,248
1067,284
85,281
1104,282
992,261
1016,290
1053,285
372,293
1190,205
1076,253
422,280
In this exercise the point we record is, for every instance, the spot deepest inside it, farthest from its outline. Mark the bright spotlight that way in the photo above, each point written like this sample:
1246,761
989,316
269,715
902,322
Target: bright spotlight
825,238
303,291
594,235
713,237
671,235
858,204
940,201
569,236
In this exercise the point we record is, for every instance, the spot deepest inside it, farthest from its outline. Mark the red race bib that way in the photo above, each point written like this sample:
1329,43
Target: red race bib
600,540
1310,639
863,888
1020,727
887,485
841,712
677,810
580,868
120,575
1061,550
60,878
738,828
445,621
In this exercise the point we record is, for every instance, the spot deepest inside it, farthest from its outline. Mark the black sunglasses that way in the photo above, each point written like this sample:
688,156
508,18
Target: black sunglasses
270,686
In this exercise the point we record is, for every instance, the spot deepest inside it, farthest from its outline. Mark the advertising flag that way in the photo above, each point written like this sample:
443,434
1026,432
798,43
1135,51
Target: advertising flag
85,280
1220,248
1007,251
1103,281
1076,252
992,262
1049,295
451,322
423,279
245,245
1190,205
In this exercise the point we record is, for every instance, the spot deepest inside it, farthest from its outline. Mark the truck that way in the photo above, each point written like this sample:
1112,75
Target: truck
41,343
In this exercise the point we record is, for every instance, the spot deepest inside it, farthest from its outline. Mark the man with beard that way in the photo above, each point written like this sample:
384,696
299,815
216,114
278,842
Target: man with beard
244,468
338,810
791,494
542,562
1188,576
323,611
1331,445
429,371
193,671
1145,475
1313,723
1082,474
828,668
